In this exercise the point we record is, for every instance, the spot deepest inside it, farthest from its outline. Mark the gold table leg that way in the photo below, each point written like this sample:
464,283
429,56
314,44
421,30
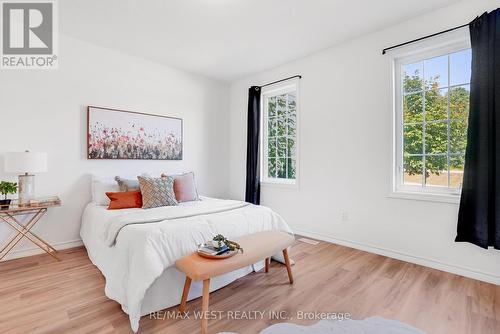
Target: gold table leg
6,249
28,231
24,231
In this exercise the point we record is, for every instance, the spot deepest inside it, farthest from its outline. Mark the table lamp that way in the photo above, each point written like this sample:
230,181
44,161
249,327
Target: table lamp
26,162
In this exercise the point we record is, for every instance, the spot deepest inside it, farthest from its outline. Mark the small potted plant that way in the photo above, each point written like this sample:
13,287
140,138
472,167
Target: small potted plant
5,189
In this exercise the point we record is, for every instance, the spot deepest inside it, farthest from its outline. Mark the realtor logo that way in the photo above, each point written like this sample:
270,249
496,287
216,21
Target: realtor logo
28,34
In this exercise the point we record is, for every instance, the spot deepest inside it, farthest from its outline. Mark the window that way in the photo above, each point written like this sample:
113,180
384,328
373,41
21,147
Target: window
279,131
432,105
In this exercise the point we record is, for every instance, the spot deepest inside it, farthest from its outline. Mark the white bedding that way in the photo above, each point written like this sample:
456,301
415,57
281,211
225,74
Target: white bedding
139,267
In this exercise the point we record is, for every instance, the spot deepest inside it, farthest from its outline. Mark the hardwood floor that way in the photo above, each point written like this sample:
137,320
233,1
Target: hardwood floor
39,295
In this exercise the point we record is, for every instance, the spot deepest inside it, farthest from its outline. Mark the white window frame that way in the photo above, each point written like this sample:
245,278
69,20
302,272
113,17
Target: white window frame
270,91
446,44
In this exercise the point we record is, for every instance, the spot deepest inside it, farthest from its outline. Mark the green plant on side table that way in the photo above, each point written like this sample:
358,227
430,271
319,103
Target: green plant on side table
5,189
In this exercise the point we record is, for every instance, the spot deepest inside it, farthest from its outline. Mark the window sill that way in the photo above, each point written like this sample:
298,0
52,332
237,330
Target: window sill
428,197
283,185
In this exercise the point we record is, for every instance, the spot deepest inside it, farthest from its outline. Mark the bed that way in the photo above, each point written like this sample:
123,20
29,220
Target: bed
135,249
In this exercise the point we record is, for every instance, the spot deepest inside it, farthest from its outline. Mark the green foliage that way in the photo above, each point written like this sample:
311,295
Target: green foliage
221,240
8,188
281,127
425,101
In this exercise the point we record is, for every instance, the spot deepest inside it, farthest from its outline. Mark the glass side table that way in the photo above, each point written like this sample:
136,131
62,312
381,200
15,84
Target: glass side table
34,211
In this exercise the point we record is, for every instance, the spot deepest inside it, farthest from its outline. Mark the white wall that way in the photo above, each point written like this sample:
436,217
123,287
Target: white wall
46,111
345,154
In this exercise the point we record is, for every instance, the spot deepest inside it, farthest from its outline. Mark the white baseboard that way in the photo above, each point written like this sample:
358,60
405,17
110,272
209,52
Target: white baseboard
23,252
451,268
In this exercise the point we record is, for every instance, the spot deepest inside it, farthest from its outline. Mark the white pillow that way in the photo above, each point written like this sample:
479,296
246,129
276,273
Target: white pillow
100,187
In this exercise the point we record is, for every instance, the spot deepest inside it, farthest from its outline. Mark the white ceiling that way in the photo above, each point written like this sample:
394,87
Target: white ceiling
227,39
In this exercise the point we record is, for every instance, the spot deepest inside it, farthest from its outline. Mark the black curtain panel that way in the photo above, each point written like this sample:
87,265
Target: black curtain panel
479,213
252,193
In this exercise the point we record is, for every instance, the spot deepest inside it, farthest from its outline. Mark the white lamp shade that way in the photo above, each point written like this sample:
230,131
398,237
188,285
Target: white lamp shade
25,162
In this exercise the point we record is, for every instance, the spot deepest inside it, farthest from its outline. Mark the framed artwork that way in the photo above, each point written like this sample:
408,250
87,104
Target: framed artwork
121,134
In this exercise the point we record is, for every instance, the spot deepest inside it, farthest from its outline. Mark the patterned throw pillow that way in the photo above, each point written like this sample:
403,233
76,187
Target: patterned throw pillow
157,191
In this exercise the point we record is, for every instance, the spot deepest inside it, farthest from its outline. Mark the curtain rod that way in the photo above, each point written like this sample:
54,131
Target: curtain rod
421,38
272,83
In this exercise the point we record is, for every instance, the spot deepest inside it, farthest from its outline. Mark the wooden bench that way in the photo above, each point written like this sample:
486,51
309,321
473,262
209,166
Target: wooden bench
258,246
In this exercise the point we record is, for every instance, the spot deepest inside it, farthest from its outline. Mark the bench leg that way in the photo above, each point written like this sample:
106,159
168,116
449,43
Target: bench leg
267,261
204,306
288,266
185,292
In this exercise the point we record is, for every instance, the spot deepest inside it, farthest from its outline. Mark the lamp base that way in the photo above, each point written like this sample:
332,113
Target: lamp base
26,189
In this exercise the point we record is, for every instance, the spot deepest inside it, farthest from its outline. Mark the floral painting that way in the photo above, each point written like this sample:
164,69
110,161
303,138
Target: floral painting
117,134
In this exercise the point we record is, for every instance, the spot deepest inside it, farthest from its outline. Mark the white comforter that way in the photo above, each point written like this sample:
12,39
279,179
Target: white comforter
142,248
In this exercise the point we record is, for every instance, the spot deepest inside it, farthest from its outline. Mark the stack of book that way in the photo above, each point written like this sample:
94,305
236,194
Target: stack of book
209,249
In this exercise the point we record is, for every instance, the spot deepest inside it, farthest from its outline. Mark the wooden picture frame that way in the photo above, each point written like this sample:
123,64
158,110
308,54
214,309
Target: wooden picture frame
122,134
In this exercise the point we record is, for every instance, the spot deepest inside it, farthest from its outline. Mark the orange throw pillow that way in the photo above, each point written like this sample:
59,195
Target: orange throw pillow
125,200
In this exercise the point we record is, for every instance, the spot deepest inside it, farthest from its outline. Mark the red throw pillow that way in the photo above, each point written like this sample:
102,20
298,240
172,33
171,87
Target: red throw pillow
125,200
